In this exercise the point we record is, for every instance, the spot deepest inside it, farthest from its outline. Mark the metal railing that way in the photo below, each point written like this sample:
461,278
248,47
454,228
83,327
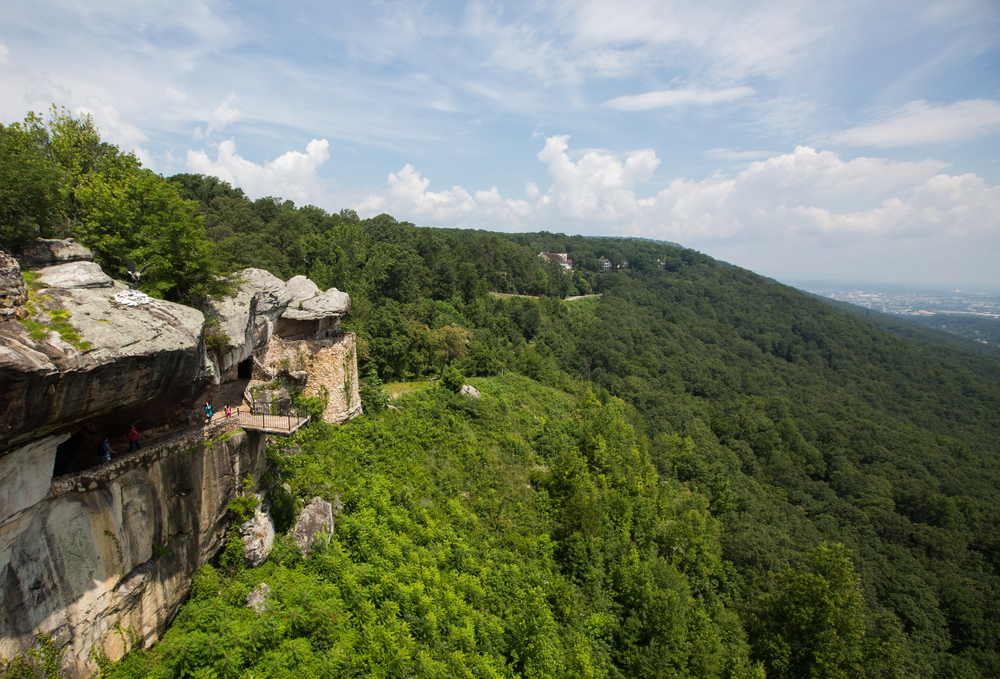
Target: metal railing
289,421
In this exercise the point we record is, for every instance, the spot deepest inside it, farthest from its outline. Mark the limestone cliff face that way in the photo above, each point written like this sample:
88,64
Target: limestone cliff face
150,355
118,544
83,550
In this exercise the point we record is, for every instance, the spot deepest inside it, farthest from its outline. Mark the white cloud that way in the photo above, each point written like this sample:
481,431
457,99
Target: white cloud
409,198
738,41
223,115
921,123
599,186
805,193
292,175
683,97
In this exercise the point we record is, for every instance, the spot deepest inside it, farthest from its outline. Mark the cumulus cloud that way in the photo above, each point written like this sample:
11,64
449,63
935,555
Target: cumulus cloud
408,196
292,175
921,123
803,193
676,98
598,186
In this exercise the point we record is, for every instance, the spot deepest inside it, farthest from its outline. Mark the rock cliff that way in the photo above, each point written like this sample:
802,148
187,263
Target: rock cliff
119,545
85,546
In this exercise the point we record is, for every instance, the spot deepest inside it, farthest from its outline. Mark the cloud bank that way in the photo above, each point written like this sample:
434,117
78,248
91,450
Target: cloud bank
802,192
292,175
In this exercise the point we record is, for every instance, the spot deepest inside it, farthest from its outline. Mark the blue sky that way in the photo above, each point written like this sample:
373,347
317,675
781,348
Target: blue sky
850,140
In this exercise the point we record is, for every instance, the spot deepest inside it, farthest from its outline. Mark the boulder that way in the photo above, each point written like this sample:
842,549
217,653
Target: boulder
257,599
282,400
75,275
258,536
46,252
331,303
470,390
270,290
236,315
300,289
316,517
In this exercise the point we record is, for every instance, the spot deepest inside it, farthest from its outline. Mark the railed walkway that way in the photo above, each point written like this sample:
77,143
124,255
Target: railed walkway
280,425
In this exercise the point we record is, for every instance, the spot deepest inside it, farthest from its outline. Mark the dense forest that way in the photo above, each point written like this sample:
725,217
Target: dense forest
695,472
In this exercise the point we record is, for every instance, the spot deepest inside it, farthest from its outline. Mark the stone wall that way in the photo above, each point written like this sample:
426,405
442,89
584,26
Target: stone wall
329,366
119,543
13,292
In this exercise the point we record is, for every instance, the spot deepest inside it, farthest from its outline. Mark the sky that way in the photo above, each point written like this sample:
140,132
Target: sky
848,140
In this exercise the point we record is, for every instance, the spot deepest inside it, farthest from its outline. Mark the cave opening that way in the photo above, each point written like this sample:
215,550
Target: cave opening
79,452
244,370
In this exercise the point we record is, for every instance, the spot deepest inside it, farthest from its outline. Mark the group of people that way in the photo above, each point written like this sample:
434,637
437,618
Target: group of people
133,433
133,444
227,410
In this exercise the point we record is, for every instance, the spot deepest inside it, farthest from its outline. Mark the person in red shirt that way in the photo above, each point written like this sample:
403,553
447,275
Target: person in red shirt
133,439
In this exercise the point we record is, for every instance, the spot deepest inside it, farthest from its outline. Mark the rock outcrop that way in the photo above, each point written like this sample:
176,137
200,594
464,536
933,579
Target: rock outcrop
85,545
264,307
257,599
75,275
123,550
142,363
258,536
471,391
316,517
49,251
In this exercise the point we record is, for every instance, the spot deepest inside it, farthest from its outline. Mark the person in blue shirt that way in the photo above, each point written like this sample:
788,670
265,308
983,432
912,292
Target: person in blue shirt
106,447
208,411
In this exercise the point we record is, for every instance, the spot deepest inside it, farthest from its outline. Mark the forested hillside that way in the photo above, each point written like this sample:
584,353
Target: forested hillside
700,472
800,425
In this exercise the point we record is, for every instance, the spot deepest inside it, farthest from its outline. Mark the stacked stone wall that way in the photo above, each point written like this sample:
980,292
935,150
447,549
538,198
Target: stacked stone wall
330,367
13,291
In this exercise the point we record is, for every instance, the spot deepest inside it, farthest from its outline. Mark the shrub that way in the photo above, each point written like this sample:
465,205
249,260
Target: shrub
452,379
374,398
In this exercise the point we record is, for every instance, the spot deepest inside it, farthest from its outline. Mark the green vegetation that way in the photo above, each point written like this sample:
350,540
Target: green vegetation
461,552
769,485
216,339
58,179
43,662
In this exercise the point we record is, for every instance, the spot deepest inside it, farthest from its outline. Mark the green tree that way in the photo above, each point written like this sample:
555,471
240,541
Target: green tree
31,182
812,622
126,210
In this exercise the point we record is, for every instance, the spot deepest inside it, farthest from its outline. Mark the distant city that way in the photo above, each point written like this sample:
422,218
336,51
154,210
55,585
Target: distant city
969,313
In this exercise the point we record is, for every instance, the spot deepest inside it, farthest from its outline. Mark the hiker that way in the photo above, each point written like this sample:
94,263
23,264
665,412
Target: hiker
228,411
106,448
133,439
208,411
328,334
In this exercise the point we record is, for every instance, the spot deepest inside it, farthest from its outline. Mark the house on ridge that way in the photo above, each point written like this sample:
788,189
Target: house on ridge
560,258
